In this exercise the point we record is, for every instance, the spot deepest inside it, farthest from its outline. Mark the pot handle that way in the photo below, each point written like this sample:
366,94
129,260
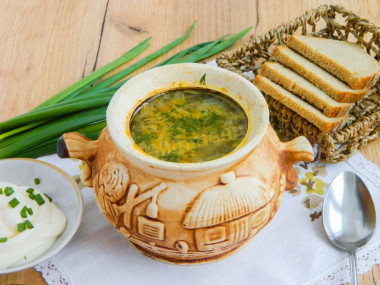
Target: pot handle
298,149
74,145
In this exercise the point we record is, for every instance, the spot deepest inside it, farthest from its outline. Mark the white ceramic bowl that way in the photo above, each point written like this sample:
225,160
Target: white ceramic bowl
58,185
157,80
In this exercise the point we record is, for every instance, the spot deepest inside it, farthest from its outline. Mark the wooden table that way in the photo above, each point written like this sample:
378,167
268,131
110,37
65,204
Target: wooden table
47,45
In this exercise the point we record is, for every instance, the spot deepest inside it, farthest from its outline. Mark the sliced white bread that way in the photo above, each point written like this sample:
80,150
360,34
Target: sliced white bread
347,61
332,86
302,108
304,89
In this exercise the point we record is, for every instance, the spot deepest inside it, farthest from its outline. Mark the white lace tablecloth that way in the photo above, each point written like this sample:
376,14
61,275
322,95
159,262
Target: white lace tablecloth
291,249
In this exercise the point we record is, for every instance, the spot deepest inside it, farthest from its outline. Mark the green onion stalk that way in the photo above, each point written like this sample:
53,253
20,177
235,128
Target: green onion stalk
81,107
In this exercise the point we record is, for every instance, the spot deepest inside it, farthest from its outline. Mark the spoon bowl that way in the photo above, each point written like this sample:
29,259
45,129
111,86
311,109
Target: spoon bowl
349,215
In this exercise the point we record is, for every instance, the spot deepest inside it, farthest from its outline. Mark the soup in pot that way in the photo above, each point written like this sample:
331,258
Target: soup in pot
189,125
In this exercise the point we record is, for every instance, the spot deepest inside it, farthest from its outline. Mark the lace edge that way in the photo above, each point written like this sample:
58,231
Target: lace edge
367,257
360,163
52,273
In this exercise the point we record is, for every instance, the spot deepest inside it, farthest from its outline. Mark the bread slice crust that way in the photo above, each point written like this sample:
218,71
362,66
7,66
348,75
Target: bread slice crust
332,86
299,86
307,111
347,61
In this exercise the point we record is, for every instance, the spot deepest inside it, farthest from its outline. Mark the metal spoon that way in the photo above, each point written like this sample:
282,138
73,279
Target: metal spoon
349,215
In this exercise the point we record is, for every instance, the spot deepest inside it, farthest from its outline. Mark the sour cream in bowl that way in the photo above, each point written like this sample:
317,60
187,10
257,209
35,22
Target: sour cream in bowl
40,210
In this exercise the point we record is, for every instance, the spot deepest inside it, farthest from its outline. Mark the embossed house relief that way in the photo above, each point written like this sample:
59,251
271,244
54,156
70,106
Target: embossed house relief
147,226
116,185
229,213
217,217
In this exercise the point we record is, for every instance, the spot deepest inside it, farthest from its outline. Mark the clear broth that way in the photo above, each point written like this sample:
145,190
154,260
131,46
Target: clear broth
189,125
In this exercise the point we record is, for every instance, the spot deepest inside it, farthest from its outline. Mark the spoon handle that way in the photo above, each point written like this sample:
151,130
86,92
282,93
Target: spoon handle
354,268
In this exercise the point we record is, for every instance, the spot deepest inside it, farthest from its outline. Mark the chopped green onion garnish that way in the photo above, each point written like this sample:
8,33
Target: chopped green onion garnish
30,190
8,191
31,196
28,225
14,202
3,239
20,227
30,211
40,201
23,212
36,181
50,198
1,190
24,257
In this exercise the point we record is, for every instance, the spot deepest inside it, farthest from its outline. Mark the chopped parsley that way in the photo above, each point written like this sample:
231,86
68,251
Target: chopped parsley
203,80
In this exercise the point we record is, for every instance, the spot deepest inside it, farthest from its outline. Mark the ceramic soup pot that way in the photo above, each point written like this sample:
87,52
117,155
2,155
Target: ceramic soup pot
187,212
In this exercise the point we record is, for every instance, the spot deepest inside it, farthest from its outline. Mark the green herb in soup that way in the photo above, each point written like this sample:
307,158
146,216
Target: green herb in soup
189,125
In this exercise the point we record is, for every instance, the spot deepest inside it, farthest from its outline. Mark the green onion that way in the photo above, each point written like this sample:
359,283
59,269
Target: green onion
36,181
82,106
225,44
14,202
50,146
28,225
30,190
30,211
20,227
8,191
45,148
57,110
1,190
23,212
96,74
3,239
31,196
49,198
38,198
21,129
109,81
12,146
175,58
193,57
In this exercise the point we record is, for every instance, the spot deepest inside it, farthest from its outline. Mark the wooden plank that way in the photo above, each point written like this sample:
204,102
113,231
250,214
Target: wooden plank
45,46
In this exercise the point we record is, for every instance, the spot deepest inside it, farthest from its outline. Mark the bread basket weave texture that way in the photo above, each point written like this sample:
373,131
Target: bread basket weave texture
328,21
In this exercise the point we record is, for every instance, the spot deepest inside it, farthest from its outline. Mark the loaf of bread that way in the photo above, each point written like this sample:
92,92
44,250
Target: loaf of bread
304,89
332,86
347,61
304,109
